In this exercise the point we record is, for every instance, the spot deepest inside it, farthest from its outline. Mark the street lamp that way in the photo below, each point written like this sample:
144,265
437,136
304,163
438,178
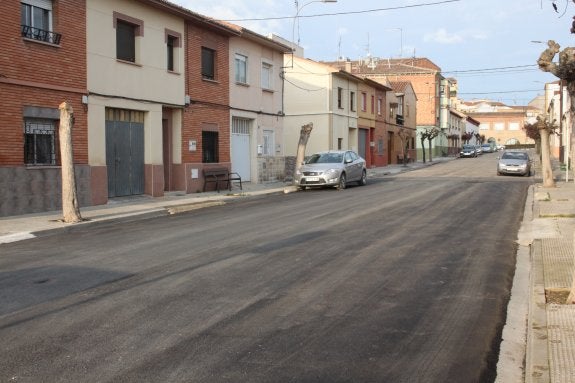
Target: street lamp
298,10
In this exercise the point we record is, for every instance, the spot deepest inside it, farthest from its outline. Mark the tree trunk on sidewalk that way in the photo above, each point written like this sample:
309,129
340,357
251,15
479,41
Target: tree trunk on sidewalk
548,180
70,206
304,134
423,146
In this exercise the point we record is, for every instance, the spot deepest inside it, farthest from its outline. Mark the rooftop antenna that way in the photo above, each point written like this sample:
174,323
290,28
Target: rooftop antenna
371,61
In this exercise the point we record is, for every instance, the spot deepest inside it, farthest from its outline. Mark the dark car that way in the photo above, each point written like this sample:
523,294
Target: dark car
468,151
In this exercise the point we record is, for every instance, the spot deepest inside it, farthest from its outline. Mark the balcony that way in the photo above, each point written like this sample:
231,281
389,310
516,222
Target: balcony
399,119
41,35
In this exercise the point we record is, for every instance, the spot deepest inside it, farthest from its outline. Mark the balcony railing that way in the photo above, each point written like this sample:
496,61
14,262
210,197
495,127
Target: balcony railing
41,35
399,119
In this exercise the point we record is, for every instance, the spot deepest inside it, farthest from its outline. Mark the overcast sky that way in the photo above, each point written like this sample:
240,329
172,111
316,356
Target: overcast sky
490,46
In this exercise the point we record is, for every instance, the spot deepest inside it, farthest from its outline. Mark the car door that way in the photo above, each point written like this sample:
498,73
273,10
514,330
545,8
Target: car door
351,166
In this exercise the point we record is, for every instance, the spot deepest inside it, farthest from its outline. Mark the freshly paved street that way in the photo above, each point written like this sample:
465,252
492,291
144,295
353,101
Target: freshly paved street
404,280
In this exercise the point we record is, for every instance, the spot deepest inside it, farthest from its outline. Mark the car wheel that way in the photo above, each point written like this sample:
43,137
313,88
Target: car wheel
341,185
363,180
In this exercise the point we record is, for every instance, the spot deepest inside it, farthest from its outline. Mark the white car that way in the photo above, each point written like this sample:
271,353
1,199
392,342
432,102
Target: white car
332,168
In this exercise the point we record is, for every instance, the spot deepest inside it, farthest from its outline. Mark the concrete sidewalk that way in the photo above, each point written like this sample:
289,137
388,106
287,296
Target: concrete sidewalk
17,228
539,337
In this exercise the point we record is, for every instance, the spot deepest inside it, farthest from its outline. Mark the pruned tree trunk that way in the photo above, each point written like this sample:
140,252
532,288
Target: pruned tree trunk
304,134
547,170
430,157
423,148
70,206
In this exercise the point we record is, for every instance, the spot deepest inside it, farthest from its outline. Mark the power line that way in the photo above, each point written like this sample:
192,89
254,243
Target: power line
346,13
484,70
501,92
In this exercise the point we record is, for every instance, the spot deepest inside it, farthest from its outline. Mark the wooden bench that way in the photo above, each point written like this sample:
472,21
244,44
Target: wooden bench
400,160
219,177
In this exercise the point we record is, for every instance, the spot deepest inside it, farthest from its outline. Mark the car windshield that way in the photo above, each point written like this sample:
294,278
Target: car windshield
514,156
468,147
326,158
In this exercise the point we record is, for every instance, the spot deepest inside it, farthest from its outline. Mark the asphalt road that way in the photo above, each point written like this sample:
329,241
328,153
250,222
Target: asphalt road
403,280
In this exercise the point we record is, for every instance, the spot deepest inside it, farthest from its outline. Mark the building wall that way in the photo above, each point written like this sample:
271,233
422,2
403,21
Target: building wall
308,98
262,106
209,108
32,76
502,127
146,79
145,85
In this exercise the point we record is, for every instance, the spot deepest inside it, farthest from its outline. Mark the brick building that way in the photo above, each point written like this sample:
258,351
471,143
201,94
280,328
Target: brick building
425,78
43,63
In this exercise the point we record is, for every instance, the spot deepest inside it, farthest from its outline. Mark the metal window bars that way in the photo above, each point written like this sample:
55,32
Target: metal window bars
41,35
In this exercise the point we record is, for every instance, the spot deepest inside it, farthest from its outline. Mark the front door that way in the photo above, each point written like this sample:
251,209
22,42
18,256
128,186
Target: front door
240,144
362,143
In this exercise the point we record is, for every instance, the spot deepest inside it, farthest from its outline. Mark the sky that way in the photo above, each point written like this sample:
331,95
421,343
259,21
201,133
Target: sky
490,46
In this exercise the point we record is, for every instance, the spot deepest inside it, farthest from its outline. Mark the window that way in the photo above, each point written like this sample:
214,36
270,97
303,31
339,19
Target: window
483,126
173,43
36,21
372,104
210,147
352,101
340,98
400,105
268,149
513,126
339,143
379,103
208,63
40,145
267,76
363,101
499,126
241,69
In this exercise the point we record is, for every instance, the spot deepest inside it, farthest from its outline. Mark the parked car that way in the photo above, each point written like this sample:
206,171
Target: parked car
478,149
487,148
332,168
468,151
514,162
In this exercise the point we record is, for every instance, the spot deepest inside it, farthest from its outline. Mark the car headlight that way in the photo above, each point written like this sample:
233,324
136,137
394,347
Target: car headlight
331,172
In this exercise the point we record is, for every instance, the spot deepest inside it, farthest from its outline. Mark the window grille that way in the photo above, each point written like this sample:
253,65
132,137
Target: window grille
40,144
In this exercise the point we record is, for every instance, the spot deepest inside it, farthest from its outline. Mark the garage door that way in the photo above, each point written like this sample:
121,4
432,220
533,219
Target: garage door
125,152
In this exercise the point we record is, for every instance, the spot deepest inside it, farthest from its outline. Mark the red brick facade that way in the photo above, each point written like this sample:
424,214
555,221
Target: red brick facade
209,107
40,75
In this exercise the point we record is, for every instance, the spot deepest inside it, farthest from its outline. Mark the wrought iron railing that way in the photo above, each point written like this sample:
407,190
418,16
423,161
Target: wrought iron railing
41,35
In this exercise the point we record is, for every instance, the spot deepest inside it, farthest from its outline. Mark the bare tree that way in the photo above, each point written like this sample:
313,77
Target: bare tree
465,137
404,136
564,69
304,134
433,132
70,206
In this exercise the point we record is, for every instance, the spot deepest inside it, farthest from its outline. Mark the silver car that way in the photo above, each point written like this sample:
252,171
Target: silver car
514,162
332,168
